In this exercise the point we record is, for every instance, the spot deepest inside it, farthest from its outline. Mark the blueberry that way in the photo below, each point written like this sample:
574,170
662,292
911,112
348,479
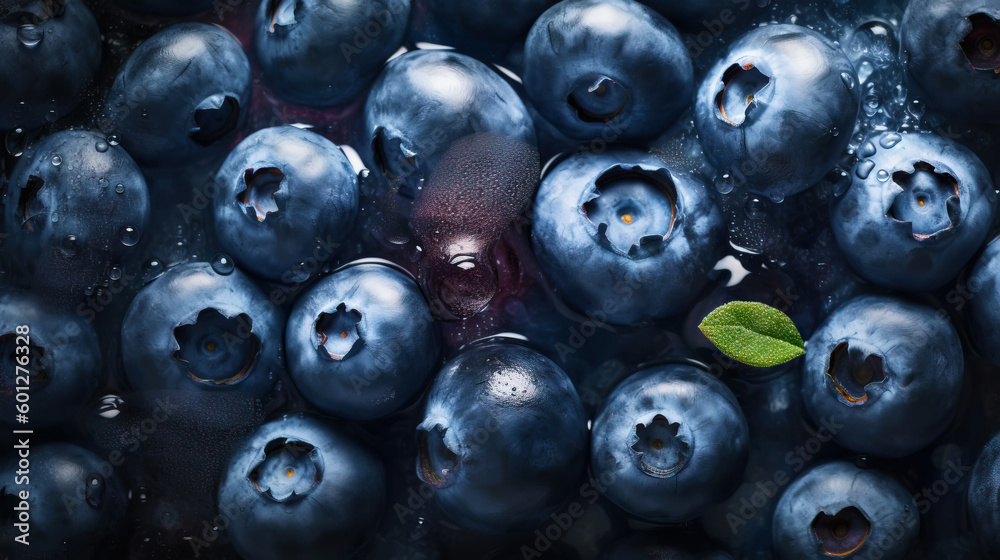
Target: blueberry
840,510
704,15
52,49
984,495
326,52
425,100
887,370
171,7
625,235
196,329
984,307
482,183
503,439
657,546
283,195
778,110
75,503
953,51
486,29
595,65
916,212
301,489
62,363
361,342
180,96
76,205
674,441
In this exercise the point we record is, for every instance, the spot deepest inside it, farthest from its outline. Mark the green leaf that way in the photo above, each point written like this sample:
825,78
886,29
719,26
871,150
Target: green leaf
753,333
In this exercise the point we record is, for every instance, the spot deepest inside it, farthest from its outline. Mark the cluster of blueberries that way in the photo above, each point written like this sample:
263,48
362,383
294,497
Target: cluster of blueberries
297,279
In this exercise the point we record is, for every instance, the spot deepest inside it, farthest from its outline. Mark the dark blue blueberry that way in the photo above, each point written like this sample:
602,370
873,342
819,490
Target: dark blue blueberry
361,342
624,235
76,205
984,307
486,29
711,16
778,110
326,52
984,499
52,49
504,438
425,100
888,371
173,7
917,210
672,442
840,510
283,195
60,358
591,66
196,329
75,503
953,53
653,545
180,96
301,489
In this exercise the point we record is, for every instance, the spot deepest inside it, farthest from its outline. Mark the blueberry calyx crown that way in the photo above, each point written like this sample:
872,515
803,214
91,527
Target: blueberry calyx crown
288,471
981,44
215,118
740,86
659,448
843,533
853,370
217,350
29,207
928,200
634,209
437,464
599,101
282,13
339,333
257,199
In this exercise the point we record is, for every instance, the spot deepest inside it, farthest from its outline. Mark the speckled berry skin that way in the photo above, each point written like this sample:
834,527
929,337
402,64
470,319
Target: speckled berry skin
984,493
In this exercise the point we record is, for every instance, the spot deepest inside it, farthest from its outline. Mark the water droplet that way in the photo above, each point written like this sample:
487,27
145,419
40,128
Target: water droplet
864,169
110,406
119,188
835,132
54,217
916,108
725,183
867,150
88,291
30,35
51,116
776,196
298,273
69,245
871,104
223,264
116,273
889,140
882,175
839,180
16,141
113,140
56,161
848,79
152,270
756,208
103,183
128,235
865,70
101,146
